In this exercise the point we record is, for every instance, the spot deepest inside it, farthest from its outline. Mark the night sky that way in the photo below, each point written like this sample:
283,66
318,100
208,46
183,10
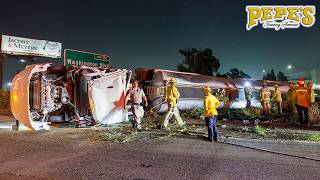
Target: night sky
148,33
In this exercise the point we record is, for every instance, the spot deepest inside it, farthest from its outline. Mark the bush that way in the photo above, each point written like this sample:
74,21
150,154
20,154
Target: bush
223,113
250,113
314,113
194,113
4,100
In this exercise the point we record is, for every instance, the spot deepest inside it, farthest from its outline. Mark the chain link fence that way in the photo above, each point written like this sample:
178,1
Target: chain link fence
4,101
314,113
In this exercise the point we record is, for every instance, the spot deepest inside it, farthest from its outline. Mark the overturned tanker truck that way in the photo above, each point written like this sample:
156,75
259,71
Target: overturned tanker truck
230,91
80,95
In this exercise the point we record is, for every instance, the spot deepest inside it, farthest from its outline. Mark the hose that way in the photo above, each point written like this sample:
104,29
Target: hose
273,152
162,102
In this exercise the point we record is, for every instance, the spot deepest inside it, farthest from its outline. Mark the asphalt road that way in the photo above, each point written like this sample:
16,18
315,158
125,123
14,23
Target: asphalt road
64,154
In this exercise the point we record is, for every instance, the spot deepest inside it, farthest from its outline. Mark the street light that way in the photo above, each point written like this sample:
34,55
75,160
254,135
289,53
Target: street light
289,66
263,71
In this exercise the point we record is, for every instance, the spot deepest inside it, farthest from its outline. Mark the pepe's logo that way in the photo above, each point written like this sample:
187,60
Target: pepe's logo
280,17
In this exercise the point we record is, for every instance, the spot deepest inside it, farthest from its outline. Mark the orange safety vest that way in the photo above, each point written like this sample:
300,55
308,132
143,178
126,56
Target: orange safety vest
301,96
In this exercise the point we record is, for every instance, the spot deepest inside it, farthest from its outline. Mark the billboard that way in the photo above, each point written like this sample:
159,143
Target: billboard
25,46
80,58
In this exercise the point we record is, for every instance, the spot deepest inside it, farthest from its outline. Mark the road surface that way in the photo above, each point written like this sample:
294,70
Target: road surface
65,154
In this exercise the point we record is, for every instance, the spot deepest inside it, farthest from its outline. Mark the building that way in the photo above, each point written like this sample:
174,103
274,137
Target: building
309,75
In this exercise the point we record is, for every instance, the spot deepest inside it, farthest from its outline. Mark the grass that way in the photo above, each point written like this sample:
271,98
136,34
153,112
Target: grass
260,130
313,137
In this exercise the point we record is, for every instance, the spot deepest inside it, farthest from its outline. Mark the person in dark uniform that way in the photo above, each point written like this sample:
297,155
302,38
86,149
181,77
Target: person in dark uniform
138,99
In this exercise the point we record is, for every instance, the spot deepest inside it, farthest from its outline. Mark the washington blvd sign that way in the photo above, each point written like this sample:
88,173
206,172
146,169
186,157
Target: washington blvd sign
80,58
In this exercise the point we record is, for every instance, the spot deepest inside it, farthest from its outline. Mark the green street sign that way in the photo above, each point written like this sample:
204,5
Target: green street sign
80,58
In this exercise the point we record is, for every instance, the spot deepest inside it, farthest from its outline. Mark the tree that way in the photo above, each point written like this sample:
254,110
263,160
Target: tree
272,77
264,77
282,77
198,61
234,73
222,75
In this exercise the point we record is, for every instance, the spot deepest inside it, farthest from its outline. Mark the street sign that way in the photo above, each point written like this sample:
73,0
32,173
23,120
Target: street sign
80,58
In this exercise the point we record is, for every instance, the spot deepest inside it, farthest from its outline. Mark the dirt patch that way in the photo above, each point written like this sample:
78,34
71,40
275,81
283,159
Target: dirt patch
277,128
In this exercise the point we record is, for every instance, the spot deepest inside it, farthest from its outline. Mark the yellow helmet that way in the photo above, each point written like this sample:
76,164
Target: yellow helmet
172,80
206,89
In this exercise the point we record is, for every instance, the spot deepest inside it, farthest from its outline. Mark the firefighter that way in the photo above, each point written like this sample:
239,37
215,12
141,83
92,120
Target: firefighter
211,104
301,98
265,98
138,99
277,98
311,92
172,96
291,104
247,93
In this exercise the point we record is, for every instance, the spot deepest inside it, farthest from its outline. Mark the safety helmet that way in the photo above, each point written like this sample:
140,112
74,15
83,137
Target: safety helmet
172,80
206,89
301,81
310,84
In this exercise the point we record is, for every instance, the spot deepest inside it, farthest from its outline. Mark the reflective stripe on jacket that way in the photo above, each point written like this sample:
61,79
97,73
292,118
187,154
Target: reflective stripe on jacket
211,104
